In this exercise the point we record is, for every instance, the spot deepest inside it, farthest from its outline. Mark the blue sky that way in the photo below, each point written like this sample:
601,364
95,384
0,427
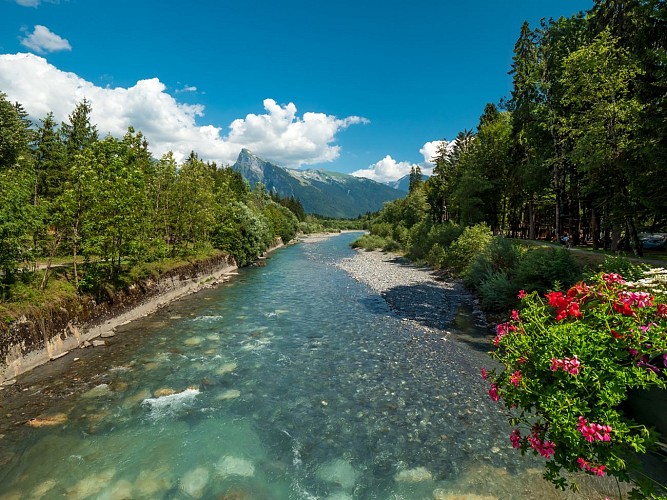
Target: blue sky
348,85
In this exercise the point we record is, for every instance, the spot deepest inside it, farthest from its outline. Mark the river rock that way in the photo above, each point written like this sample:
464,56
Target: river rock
226,368
440,494
416,475
48,420
192,341
163,391
229,394
153,483
136,398
98,343
234,466
194,482
121,490
43,488
91,486
338,472
97,391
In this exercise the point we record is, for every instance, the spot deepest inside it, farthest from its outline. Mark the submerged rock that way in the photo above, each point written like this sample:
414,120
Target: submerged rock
164,391
121,490
47,420
91,486
97,391
226,368
230,394
153,483
416,475
42,489
234,466
192,341
339,472
194,482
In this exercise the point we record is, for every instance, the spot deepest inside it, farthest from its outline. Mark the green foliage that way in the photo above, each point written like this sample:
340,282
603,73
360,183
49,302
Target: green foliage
497,292
622,266
542,269
567,363
371,242
472,242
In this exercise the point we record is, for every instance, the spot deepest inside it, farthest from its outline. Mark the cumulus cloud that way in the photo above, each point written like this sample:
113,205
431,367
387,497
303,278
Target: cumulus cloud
389,170
279,135
386,170
43,40
430,149
34,3
187,88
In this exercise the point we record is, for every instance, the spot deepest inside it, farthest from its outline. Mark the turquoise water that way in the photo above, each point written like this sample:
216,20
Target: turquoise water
292,381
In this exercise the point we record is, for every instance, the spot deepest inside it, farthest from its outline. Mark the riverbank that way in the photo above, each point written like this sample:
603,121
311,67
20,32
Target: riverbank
417,293
23,354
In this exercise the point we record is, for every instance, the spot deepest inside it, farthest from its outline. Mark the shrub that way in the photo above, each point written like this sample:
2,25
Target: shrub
497,292
372,242
542,268
436,256
502,255
473,241
622,266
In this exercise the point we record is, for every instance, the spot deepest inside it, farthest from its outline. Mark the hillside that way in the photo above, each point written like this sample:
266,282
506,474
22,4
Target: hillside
321,192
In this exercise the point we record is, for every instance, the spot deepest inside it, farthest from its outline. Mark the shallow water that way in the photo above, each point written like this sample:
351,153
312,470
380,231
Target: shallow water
292,381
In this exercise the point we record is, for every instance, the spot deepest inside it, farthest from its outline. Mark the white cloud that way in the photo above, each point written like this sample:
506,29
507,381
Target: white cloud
34,3
386,170
430,149
187,88
389,170
43,40
279,135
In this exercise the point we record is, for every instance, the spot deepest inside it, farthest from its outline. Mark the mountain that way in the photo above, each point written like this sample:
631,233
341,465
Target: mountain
403,184
321,192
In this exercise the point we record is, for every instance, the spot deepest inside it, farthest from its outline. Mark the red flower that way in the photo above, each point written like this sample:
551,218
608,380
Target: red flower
662,310
484,374
522,294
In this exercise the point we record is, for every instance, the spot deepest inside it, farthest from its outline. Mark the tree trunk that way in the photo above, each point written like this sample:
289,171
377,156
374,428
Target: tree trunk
634,237
531,218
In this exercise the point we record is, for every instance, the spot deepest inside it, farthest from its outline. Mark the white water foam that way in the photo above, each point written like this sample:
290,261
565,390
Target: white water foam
171,405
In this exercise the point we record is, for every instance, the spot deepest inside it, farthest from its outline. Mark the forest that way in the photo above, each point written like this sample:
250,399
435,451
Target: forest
580,145
110,211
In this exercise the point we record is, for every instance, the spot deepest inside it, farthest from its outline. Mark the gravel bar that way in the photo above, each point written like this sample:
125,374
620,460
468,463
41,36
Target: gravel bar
413,292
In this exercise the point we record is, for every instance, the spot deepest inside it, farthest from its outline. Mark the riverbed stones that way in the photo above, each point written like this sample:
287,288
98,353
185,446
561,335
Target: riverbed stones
98,343
234,466
42,489
416,475
136,398
121,490
194,482
229,394
97,391
48,420
164,391
338,471
91,486
226,368
193,341
152,483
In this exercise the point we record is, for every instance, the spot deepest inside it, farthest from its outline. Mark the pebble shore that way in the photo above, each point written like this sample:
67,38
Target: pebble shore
413,292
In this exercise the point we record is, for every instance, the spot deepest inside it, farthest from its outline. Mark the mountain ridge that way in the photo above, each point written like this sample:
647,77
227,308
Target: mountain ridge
331,194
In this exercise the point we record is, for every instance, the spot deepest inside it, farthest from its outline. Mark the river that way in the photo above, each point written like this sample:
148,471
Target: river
292,381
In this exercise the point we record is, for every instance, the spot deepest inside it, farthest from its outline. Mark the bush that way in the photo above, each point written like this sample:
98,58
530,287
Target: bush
502,255
542,269
472,242
622,266
372,242
436,256
497,292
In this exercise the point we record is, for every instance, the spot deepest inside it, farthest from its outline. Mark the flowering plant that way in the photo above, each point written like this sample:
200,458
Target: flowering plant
568,361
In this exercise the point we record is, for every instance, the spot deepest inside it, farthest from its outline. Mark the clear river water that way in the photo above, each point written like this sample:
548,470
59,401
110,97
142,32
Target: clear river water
292,381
